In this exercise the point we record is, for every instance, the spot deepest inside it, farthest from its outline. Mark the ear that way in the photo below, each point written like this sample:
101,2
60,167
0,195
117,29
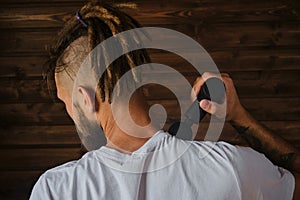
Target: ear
86,99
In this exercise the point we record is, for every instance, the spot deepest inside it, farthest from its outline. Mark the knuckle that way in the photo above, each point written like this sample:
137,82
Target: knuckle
225,74
206,74
227,79
213,109
198,79
197,82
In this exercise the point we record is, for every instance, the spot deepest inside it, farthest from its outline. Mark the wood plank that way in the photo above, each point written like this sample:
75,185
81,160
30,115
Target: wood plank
230,35
286,130
15,3
28,90
227,61
273,109
164,12
33,114
67,135
270,83
36,159
17,184
159,3
38,16
217,12
26,41
235,60
39,135
233,36
267,109
21,67
248,84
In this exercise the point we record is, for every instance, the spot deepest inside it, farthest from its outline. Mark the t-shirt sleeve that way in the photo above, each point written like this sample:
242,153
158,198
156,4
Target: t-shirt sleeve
258,177
55,183
41,190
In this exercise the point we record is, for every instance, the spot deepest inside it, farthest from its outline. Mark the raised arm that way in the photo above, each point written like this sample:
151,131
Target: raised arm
259,137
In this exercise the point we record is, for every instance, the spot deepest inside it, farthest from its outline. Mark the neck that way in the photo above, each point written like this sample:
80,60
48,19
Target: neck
121,141
129,140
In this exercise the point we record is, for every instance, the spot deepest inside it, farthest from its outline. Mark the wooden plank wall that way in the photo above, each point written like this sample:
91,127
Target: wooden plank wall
256,41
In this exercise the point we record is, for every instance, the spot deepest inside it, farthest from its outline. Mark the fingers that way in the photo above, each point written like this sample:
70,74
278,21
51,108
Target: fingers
208,106
231,103
213,108
196,87
225,75
200,81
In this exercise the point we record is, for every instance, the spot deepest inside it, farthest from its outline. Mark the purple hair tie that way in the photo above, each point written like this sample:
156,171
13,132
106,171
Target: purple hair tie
79,17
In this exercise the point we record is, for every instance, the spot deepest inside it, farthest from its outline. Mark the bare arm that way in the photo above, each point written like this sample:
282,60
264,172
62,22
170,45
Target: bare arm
262,139
259,137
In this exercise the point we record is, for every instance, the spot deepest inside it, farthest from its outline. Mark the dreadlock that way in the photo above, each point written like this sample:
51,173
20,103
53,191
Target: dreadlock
103,22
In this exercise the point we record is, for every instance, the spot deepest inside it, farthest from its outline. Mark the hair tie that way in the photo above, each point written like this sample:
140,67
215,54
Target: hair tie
79,17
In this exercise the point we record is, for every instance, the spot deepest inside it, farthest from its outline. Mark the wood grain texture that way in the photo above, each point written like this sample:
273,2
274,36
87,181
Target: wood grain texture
17,185
59,136
248,84
23,66
217,37
39,135
55,114
36,158
256,42
53,14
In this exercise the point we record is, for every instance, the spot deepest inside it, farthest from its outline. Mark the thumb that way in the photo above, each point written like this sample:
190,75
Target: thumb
208,106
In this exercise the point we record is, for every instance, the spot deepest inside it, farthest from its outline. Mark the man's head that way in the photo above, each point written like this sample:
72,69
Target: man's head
75,42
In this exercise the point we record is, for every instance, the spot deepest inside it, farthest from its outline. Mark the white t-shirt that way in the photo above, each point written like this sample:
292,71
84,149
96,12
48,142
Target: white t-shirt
168,168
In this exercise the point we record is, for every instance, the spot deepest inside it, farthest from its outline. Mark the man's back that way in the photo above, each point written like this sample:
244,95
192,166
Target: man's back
175,169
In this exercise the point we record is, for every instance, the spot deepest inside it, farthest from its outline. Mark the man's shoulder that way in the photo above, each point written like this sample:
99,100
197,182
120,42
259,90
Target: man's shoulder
230,152
66,167
211,147
207,149
59,181
51,182
62,171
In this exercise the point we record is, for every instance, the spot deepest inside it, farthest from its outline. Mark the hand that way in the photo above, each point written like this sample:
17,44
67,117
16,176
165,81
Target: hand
231,109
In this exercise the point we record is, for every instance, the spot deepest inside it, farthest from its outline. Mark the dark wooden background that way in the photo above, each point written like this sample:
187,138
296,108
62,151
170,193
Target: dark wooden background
256,41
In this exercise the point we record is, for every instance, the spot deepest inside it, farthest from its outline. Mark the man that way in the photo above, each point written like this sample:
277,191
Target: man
129,167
